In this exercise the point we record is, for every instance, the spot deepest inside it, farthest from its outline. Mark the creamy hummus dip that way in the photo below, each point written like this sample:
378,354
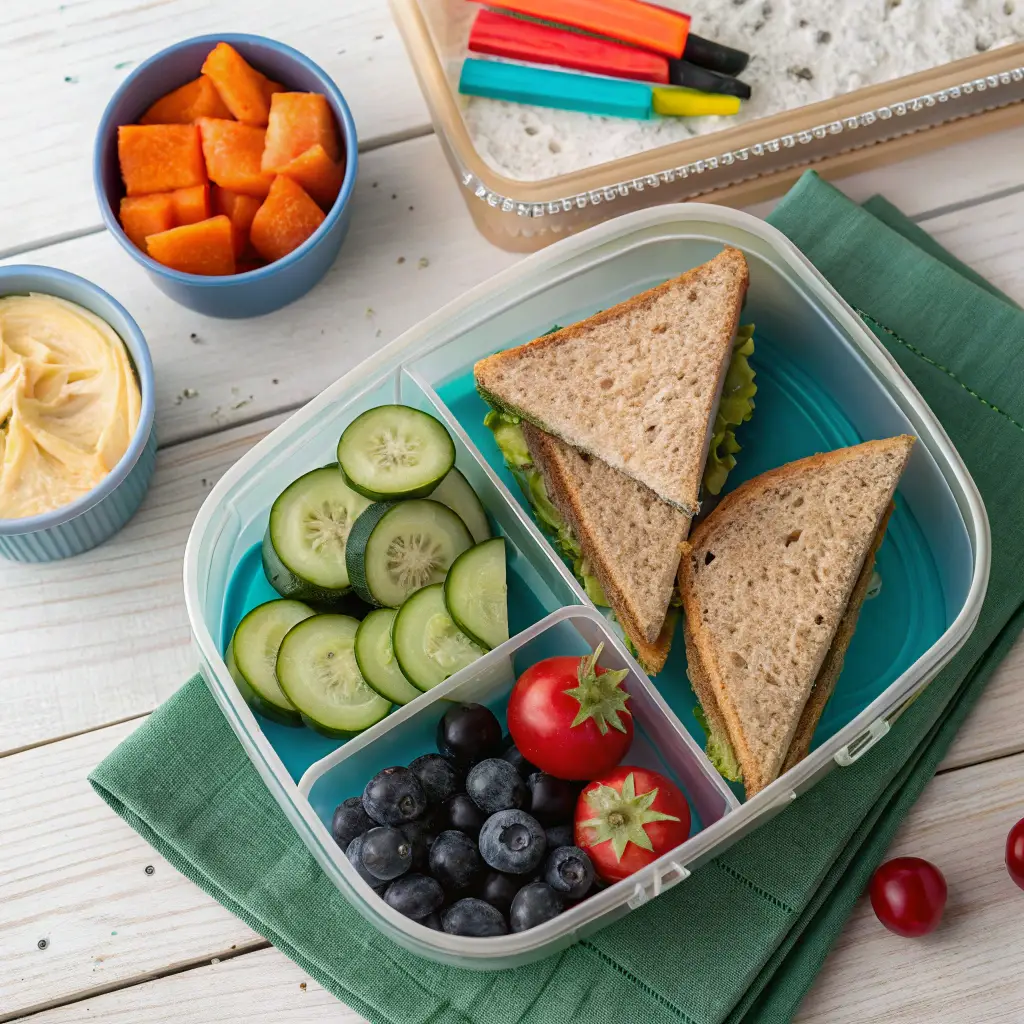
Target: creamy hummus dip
69,403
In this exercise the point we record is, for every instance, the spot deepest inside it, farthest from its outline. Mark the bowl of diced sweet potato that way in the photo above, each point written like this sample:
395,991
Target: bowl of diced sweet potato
225,165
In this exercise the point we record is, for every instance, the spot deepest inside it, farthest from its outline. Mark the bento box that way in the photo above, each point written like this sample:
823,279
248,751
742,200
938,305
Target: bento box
739,164
824,381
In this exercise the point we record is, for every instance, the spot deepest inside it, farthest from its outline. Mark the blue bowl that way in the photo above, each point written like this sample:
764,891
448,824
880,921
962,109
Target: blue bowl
95,516
258,291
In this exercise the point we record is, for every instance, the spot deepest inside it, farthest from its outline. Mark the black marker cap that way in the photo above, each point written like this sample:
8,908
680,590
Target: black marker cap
682,72
714,56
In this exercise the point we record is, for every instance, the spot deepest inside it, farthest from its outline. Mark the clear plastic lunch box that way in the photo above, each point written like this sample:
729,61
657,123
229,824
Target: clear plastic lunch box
525,215
824,381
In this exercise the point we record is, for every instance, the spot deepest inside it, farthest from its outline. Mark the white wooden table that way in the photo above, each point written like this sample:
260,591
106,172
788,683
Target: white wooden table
90,646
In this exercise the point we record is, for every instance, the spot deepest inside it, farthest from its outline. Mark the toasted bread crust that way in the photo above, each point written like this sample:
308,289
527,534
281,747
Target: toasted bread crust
706,679
488,370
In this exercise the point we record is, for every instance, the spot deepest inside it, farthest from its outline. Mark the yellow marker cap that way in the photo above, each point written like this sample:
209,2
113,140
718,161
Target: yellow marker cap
678,102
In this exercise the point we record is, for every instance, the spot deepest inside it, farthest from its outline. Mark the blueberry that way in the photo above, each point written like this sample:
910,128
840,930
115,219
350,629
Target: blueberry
495,785
473,917
349,821
468,733
510,752
551,800
559,835
568,871
455,860
512,841
394,796
354,852
534,904
416,896
386,853
432,921
438,777
463,815
500,889
421,834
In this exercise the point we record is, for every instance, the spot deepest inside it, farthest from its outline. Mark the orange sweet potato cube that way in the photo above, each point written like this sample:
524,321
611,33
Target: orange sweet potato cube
240,210
298,121
191,205
160,157
318,174
197,98
232,151
240,85
146,215
203,248
269,87
286,219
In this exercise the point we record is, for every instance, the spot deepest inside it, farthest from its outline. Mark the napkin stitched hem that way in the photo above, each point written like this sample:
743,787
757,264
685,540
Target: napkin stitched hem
872,322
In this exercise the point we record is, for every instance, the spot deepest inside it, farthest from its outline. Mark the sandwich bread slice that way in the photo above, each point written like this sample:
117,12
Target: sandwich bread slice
771,584
637,385
630,539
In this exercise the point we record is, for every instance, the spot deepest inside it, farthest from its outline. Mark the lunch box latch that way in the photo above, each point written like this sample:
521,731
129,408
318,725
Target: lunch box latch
857,748
674,874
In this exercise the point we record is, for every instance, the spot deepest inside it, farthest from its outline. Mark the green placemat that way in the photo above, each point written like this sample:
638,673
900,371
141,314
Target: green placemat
743,938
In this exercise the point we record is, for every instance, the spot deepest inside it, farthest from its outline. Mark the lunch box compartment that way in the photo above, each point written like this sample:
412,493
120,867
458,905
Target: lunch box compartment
824,381
536,586
815,393
659,743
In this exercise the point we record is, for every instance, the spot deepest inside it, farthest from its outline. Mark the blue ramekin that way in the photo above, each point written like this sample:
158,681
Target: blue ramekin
107,507
258,291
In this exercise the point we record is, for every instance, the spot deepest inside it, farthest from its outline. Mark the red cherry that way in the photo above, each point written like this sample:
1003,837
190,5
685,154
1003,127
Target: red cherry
908,896
1015,853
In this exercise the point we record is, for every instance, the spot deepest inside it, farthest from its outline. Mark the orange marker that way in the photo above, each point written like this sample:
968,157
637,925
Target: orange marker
653,28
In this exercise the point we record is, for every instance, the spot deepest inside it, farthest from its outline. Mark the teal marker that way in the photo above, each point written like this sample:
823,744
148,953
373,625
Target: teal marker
561,89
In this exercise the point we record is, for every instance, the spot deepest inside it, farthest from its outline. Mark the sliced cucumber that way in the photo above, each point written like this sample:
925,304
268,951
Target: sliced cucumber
428,645
476,595
252,656
396,548
376,657
317,669
304,546
395,451
455,492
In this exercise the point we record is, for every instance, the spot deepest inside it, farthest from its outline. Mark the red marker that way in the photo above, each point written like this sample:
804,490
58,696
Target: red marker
504,36
653,28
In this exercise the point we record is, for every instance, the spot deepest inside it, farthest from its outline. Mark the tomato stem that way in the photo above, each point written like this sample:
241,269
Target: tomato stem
601,695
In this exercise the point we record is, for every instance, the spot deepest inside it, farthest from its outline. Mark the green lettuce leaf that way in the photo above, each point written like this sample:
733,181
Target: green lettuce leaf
719,749
508,434
736,407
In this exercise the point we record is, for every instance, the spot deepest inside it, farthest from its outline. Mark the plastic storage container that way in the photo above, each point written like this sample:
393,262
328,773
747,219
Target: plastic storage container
524,216
824,380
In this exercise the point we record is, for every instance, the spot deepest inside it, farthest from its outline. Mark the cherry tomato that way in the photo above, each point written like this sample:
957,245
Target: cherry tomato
629,818
908,895
1015,853
569,717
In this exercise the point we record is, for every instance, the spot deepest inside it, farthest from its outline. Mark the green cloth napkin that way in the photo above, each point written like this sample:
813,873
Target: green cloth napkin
742,939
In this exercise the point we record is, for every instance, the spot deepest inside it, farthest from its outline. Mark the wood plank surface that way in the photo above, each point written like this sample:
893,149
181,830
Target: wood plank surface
74,876
104,636
968,971
959,975
62,62
264,987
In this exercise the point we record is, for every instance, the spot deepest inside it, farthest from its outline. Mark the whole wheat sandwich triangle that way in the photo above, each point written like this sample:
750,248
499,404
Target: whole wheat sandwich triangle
630,538
772,582
636,385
